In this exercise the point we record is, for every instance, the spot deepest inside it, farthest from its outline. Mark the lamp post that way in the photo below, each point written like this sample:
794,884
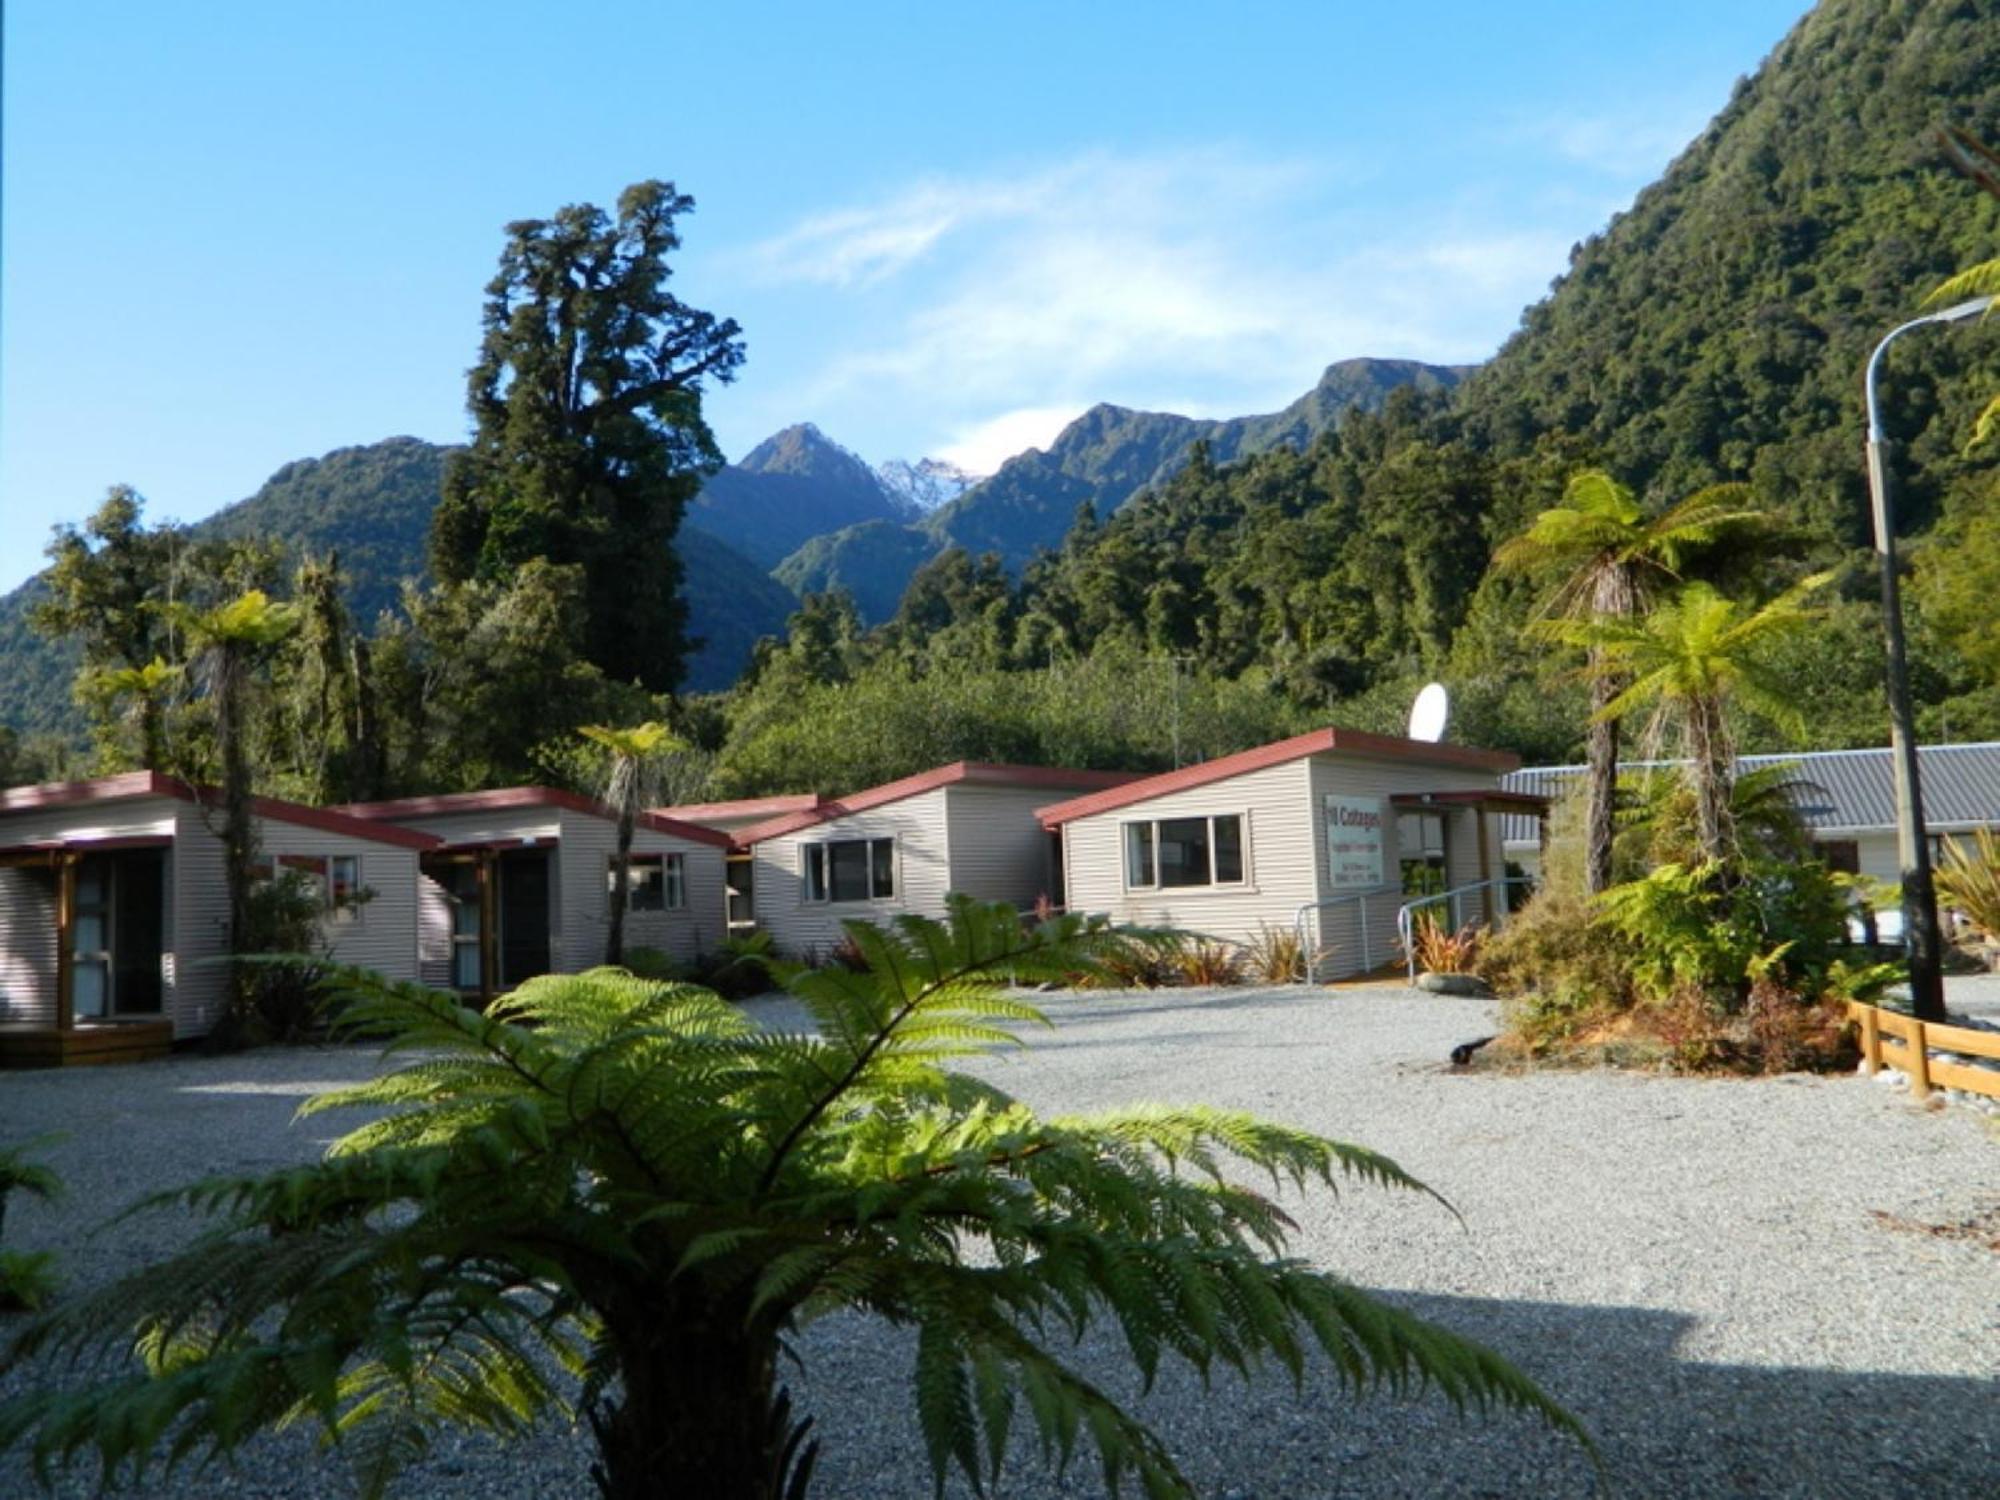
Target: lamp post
1921,937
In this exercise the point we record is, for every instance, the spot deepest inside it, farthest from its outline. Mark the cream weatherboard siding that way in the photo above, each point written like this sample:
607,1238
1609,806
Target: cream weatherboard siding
28,897
1277,857
1335,928
433,933
580,845
997,850
920,825
1285,856
583,863
27,947
541,825
382,936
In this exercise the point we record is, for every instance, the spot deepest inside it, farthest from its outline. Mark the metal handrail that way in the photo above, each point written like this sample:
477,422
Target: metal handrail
1405,914
1308,950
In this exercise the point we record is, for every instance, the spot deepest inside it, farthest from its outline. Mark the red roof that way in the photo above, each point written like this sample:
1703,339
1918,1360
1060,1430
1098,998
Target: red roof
154,784
1317,742
743,807
505,799
972,772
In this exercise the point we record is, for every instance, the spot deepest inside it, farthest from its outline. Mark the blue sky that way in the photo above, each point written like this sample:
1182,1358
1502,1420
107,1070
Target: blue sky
237,234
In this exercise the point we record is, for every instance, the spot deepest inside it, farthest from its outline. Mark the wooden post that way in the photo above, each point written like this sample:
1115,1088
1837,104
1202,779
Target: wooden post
489,947
1920,1063
1487,893
65,863
1871,1039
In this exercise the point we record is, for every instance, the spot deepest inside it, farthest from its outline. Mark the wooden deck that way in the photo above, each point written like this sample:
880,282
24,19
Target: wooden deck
86,1045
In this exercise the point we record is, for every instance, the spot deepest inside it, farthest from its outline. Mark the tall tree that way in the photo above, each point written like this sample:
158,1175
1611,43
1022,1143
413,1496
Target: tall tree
123,591
588,438
1613,556
1689,658
629,787
229,640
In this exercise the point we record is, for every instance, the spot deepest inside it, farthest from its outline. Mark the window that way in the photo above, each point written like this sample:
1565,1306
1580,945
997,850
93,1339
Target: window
1174,853
334,878
460,880
1420,841
658,883
344,886
1843,855
851,870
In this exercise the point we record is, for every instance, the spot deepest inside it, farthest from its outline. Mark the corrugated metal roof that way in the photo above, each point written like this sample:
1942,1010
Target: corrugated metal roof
1837,791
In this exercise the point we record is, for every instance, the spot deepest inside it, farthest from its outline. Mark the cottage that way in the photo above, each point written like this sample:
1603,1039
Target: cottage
966,828
520,884
1327,834
738,868
1845,798
113,902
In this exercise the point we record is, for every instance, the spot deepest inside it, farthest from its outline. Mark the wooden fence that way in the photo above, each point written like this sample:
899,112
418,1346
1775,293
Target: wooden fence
1889,1036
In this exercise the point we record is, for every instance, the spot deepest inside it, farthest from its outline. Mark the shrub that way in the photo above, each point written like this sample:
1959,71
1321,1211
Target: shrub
739,969
1557,968
1207,961
279,1001
1275,954
1970,881
654,963
619,1201
1438,951
1716,929
27,1280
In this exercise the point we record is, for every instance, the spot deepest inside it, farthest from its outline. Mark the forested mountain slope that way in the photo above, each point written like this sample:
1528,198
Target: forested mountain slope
372,505
1103,458
1718,329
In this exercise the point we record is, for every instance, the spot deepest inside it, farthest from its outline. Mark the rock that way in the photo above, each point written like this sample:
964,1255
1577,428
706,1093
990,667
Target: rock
1452,984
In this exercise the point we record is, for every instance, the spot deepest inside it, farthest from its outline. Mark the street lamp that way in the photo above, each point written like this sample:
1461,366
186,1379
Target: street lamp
1921,938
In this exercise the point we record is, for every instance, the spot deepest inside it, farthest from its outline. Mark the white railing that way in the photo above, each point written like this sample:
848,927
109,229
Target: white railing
1310,946
1406,913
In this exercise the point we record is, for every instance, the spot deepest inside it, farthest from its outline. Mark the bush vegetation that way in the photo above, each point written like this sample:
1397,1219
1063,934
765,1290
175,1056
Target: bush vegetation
27,1278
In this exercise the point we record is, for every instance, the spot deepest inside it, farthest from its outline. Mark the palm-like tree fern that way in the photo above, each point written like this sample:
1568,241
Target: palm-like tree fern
1687,660
622,1200
629,786
1612,557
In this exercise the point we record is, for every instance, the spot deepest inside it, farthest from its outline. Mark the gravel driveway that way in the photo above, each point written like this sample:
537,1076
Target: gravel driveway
1731,1282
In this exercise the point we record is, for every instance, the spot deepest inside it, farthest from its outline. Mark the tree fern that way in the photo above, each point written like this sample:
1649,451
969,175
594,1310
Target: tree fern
616,1201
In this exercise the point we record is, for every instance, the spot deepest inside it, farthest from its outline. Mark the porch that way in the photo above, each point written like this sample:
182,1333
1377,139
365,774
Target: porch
84,951
84,1044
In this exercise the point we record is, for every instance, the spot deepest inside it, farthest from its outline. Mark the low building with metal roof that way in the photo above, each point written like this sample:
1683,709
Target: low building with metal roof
1845,798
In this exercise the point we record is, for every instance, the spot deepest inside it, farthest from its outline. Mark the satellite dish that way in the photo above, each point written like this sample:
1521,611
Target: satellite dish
1429,712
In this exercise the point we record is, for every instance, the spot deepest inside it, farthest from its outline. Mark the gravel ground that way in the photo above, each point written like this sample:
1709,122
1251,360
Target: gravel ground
1700,1269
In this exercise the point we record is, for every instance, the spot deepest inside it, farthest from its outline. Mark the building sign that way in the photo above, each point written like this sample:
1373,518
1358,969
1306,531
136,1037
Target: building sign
1354,839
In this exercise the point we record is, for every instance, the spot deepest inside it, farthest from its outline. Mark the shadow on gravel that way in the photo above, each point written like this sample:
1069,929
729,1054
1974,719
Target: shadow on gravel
1673,1427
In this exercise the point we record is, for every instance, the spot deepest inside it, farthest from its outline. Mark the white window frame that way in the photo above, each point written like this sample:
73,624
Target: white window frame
1242,881
673,880
815,869
318,867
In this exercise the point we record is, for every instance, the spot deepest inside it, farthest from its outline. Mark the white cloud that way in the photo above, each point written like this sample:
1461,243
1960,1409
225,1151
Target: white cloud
1635,142
997,304
982,448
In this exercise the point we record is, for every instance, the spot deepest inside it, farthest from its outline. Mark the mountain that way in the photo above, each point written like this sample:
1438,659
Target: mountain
1105,457
795,485
926,485
872,562
1718,328
373,504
